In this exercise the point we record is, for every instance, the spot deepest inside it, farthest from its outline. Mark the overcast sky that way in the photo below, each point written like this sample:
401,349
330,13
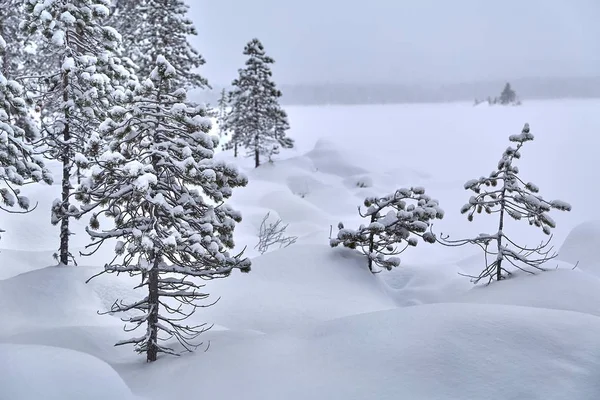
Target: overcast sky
400,41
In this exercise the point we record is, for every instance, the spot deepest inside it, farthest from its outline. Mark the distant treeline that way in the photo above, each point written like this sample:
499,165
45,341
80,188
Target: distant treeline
529,88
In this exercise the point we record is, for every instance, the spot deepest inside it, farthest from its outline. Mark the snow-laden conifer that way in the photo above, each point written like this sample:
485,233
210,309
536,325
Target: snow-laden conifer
222,110
256,120
505,194
19,164
395,222
78,79
508,95
16,57
166,195
153,27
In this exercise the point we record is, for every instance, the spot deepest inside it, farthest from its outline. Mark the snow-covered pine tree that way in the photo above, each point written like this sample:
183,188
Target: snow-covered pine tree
280,126
153,27
256,119
19,164
12,49
222,105
394,220
504,193
79,82
508,95
166,195
15,59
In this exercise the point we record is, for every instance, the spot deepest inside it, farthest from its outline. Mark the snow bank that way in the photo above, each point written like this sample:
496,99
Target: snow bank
327,158
561,289
294,286
581,246
443,351
40,372
414,284
59,297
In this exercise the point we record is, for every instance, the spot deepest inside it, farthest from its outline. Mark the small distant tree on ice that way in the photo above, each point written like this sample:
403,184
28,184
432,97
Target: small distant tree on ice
505,193
166,195
508,95
395,222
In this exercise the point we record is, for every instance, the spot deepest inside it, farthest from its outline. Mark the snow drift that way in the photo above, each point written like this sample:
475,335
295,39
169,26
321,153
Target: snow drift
40,372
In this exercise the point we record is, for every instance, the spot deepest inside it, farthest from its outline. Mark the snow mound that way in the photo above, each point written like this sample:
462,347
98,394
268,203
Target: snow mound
561,289
296,285
292,208
59,297
411,284
327,159
442,351
40,372
581,247
359,181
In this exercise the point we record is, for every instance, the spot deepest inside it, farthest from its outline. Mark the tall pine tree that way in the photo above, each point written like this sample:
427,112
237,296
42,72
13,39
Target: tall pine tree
166,195
159,27
79,80
256,120
18,162
16,58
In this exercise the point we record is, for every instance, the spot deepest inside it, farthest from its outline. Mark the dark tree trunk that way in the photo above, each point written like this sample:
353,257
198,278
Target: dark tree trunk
500,233
152,349
235,149
371,244
256,153
66,183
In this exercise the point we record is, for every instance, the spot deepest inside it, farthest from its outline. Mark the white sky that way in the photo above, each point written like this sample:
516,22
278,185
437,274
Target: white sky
400,41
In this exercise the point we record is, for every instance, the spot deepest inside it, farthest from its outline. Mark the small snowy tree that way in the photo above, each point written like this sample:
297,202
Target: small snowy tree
222,105
504,193
508,95
18,162
79,80
256,120
166,194
395,222
159,27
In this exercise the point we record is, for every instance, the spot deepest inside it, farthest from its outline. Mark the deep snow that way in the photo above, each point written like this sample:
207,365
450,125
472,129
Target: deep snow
312,321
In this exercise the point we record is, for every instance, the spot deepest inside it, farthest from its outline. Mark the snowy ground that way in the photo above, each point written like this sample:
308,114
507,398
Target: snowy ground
311,321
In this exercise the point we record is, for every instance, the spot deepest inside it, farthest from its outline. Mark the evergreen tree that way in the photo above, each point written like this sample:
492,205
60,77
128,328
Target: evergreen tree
256,120
81,86
509,195
9,28
18,162
222,111
166,194
396,219
508,95
15,60
159,27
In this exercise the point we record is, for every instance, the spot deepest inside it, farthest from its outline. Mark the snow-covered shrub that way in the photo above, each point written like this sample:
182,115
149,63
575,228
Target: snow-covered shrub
273,233
504,193
395,222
